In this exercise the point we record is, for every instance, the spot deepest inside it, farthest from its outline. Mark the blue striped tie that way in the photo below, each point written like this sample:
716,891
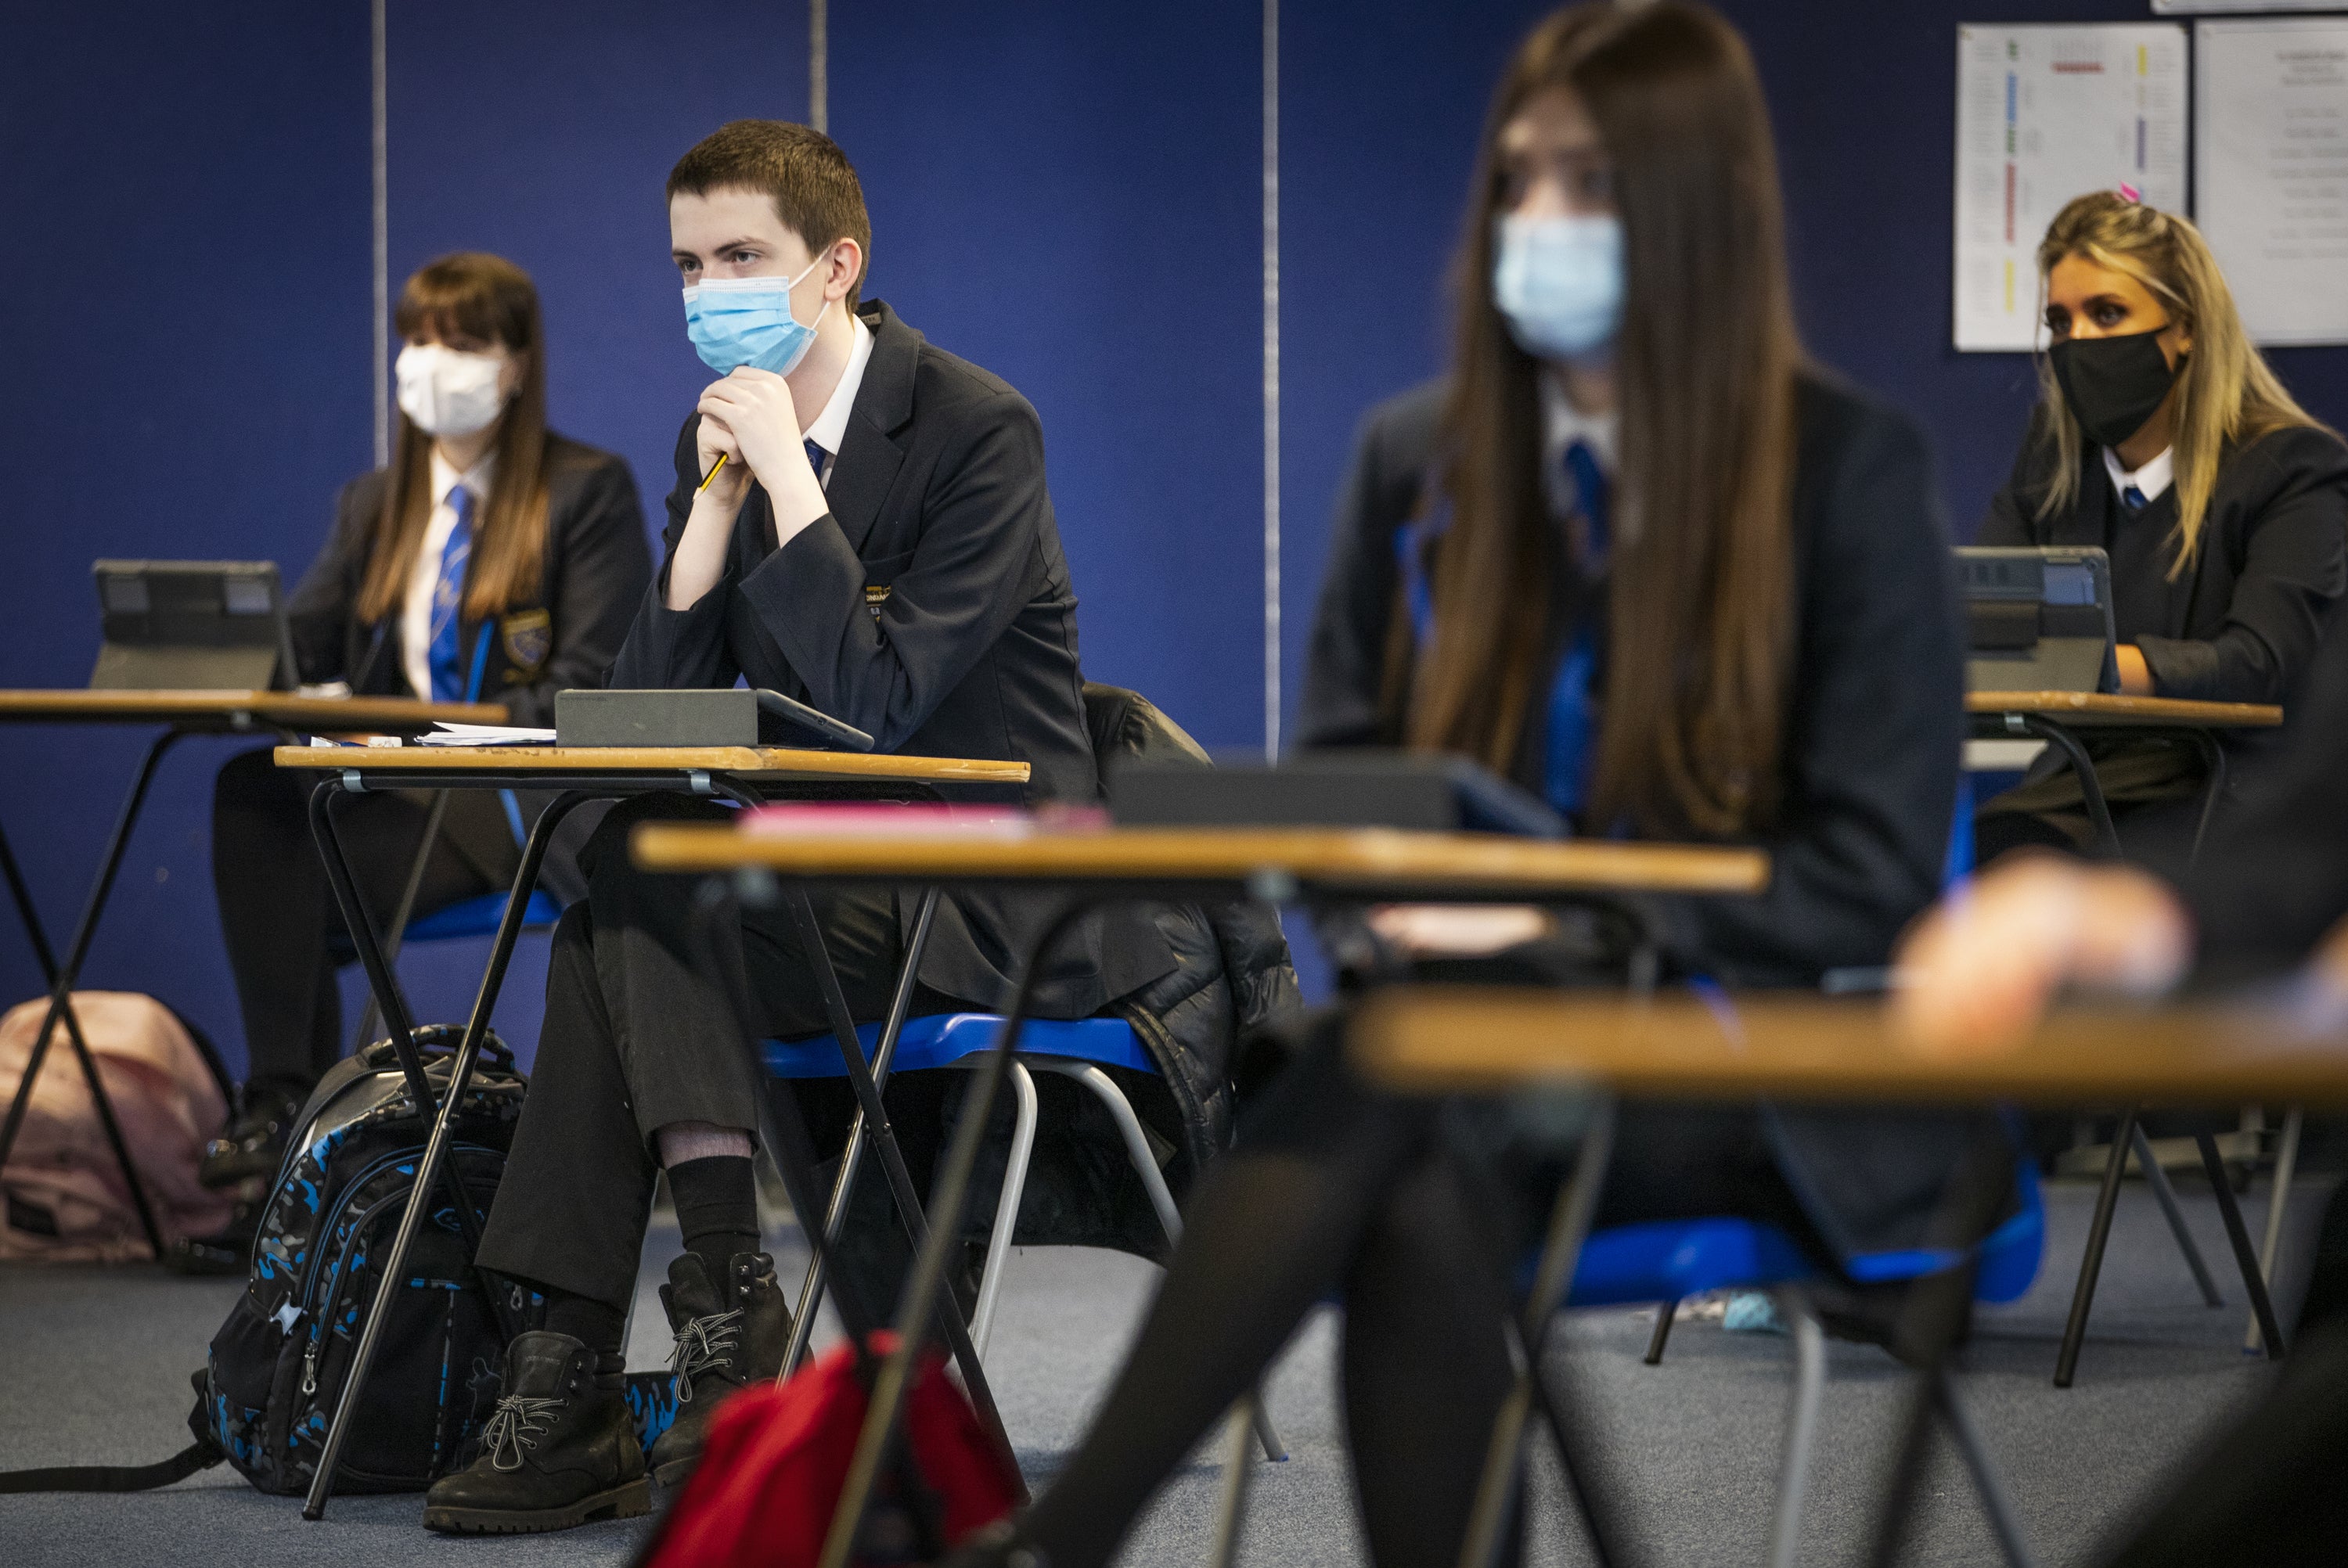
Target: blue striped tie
2135,499
447,657
816,456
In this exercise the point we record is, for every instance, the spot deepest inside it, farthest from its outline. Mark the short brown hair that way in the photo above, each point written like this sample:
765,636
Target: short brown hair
814,186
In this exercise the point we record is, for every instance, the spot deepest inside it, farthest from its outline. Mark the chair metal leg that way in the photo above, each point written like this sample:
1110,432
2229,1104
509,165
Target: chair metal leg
62,978
2261,1306
1801,1426
851,1156
2003,1519
1495,1491
2157,1180
910,1215
1006,1204
1162,1198
2286,1167
1664,1313
1231,1507
2099,1233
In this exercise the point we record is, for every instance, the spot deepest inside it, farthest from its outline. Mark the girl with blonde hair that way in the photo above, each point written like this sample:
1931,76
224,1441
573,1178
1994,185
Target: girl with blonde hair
2164,439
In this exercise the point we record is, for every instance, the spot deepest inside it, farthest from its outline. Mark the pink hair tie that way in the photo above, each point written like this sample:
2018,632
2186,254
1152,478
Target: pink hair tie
2129,193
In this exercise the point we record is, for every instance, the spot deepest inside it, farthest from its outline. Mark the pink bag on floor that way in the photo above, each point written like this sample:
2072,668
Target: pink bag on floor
66,1200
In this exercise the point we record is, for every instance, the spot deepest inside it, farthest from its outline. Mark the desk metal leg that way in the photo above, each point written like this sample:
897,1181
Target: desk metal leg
874,1442
398,935
1925,1337
852,1156
2286,1166
1496,1493
892,1160
436,1148
2157,1180
2213,767
61,980
2090,1266
2245,1256
2091,789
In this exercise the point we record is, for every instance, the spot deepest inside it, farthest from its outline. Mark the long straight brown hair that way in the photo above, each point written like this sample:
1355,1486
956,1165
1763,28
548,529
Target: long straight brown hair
1700,595
470,294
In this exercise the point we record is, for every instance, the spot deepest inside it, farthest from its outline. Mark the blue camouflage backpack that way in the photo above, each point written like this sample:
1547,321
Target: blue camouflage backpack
277,1368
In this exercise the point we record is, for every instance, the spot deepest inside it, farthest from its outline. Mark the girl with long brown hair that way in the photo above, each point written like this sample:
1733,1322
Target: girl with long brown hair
493,560
1636,554
2163,438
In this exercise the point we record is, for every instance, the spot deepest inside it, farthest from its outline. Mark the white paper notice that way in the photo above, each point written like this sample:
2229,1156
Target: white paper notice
2044,114
2271,171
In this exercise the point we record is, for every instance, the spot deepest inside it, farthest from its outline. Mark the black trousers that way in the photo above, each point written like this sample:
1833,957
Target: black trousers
1334,1186
636,1039
284,933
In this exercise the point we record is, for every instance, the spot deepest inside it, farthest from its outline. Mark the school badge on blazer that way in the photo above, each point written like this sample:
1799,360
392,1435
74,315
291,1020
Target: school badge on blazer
876,594
529,638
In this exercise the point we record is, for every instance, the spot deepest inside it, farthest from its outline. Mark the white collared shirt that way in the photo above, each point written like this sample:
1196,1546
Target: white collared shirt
2154,479
830,427
415,610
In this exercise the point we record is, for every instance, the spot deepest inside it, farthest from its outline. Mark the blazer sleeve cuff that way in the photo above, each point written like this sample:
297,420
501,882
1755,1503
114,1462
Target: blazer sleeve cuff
673,648
805,593
2183,669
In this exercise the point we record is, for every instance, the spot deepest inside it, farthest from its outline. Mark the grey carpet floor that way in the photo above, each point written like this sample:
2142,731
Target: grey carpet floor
94,1365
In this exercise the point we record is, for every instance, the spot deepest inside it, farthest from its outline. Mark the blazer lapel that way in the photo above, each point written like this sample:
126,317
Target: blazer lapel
2081,525
865,468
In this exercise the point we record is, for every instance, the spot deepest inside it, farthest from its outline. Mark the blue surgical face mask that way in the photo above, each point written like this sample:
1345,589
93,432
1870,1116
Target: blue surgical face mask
735,322
1559,281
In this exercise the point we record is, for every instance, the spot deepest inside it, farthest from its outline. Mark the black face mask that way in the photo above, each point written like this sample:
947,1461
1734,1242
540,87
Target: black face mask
2114,384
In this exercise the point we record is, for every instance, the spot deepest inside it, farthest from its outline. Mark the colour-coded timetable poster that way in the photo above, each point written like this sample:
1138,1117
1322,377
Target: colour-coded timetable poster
2270,158
2044,114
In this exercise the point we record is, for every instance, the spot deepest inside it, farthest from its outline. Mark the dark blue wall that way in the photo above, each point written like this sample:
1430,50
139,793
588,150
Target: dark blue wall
1069,194
1064,192
184,372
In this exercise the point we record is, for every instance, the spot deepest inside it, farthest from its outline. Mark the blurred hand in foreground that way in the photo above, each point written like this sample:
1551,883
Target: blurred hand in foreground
1978,972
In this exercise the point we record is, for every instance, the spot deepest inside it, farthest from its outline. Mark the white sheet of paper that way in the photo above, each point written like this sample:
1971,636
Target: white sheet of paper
2045,113
484,736
2271,171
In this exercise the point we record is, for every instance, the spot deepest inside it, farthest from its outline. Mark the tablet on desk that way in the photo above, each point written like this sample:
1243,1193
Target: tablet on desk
190,626
741,716
2037,618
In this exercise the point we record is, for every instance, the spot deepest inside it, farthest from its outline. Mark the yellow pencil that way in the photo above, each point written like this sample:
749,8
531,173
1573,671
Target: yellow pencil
711,474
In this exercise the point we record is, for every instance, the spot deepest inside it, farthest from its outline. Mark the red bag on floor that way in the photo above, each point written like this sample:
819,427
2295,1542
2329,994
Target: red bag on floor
777,1459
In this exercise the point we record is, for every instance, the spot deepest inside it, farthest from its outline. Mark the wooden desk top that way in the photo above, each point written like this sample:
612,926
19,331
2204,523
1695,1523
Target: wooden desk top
768,762
2092,709
1802,1049
243,709
1371,856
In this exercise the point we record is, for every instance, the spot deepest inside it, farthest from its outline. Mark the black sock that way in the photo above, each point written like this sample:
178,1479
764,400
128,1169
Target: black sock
598,1325
717,1208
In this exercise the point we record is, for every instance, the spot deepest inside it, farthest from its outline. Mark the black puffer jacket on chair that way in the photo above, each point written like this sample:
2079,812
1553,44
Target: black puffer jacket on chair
1232,977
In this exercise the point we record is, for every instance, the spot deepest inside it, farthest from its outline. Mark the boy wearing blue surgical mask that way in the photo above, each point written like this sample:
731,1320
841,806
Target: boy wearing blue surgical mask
859,521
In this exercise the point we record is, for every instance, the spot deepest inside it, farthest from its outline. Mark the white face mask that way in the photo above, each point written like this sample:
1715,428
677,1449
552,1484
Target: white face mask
448,392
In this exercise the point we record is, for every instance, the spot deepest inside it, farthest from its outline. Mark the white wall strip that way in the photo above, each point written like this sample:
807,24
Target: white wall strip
1272,380
820,65
382,160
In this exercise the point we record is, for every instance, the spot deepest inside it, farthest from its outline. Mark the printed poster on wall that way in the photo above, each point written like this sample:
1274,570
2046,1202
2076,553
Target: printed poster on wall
2271,171
2045,113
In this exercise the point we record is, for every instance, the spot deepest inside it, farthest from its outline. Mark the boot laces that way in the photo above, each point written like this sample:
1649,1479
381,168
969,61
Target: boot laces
515,1426
703,1342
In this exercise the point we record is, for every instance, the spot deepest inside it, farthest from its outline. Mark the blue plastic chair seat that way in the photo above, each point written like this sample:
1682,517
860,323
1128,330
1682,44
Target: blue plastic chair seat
1667,1259
478,917
941,1039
